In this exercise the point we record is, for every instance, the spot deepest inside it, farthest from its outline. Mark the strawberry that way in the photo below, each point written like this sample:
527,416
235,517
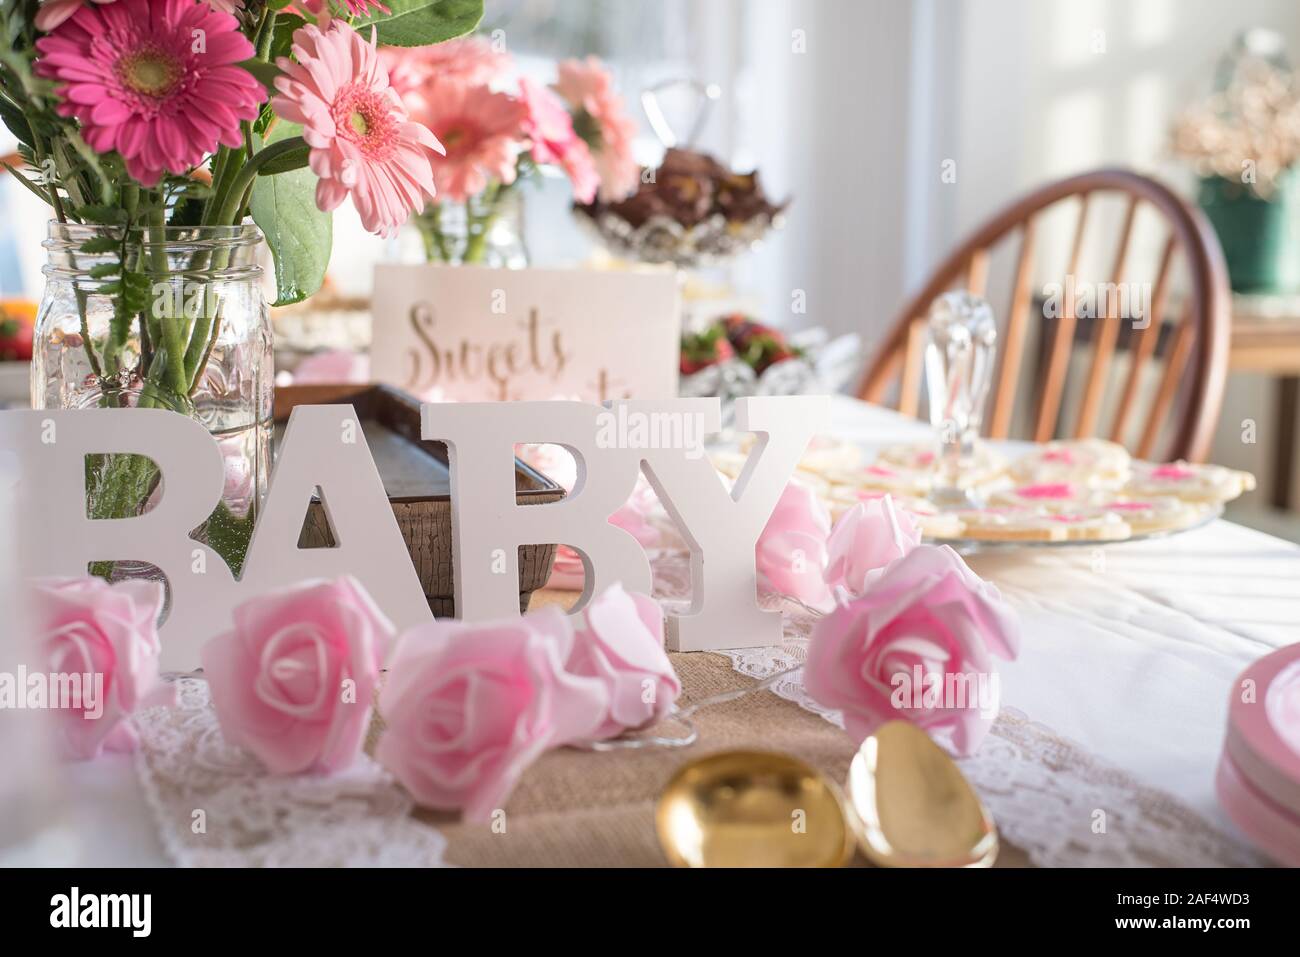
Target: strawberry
760,346
17,324
704,349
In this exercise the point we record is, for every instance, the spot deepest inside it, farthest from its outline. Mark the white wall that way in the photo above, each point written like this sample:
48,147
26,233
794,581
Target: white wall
1046,88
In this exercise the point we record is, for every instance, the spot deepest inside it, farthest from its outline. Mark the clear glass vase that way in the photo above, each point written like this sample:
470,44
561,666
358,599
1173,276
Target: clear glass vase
485,230
168,317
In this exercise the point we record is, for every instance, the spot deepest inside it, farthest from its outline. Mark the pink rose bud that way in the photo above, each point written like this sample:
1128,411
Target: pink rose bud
100,644
791,552
294,681
867,537
916,646
469,706
619,639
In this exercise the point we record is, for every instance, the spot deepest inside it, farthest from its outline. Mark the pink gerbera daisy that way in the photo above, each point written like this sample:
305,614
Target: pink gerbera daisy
54,12
134,77
550,131
321,9
603,122
482,131
362,140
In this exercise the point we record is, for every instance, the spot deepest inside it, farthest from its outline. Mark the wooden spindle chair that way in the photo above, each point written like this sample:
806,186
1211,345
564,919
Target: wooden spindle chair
1195,349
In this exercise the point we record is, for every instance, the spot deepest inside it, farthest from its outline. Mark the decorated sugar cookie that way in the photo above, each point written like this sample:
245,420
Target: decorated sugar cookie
984,465
1192,483
884,478
1158,513
1011,523
927,517
822,455
1094,463
1093,526
1049,496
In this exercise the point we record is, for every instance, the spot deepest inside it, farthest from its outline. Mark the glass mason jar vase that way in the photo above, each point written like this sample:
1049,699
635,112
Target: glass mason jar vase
485,230
172,318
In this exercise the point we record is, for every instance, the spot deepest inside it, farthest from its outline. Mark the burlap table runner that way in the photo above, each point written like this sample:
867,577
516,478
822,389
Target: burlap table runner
577,808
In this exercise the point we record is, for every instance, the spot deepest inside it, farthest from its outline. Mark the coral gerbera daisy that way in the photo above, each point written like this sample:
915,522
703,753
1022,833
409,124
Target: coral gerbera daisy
132,73
467,59
362,140
550,131
603,122
481,130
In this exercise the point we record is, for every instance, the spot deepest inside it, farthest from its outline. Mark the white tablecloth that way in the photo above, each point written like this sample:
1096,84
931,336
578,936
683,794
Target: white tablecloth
1129,650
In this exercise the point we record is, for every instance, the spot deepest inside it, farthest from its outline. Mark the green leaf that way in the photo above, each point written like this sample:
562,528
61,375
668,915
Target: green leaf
15,120
266,73
28,183
418,23
229,536
286,25
299,234
105,269
295,159
102,215
101,244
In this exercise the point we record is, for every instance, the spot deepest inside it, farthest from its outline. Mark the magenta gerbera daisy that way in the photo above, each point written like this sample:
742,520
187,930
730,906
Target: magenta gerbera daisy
362,140
137,77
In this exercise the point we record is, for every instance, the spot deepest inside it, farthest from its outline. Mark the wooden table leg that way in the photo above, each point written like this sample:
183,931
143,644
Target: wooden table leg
1288,390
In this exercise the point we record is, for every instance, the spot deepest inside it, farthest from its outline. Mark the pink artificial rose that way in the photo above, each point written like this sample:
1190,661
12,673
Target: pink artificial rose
294,681
107,637
867,537
619,639
916,646
469,706
791,552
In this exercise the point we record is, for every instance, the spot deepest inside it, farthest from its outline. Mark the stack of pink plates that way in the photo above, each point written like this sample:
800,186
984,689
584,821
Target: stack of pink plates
1259,774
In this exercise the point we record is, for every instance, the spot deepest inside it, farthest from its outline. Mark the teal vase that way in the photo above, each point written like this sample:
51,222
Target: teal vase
1260,237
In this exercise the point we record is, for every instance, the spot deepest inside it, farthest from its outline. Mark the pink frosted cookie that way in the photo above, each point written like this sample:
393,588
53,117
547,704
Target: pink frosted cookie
927,517
984,464
1192,483
1094,463
1010,523
824,453
1157,513
1049,496
882,478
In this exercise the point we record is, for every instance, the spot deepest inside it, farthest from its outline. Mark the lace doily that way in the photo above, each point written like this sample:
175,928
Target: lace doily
1061,805
215,806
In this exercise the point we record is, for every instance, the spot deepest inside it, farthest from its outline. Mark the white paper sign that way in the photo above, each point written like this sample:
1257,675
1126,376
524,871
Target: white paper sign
475,334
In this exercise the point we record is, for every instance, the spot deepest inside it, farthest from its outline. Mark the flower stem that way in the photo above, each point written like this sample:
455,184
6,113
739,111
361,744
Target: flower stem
234,200
476,246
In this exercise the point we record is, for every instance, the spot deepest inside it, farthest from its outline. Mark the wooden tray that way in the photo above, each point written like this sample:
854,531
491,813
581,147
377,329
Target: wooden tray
418,484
